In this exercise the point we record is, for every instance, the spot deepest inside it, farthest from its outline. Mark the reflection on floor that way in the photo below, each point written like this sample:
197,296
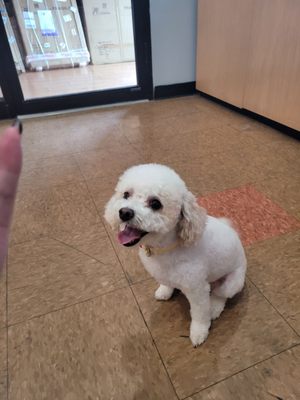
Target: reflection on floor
77,80
77,312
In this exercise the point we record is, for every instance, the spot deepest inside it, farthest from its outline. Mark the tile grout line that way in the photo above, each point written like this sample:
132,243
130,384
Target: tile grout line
38,237
47,236
141,281
98,213
79,251
242,370
65,307
128,279
274,308
154,343
137,304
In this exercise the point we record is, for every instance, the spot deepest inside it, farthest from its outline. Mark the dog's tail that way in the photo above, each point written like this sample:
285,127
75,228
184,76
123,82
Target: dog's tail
226,221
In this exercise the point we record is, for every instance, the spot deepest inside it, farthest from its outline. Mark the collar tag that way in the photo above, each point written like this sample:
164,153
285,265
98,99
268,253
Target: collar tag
148,251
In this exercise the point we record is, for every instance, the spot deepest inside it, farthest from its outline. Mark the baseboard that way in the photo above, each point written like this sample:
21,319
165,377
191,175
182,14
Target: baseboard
177,89
273,124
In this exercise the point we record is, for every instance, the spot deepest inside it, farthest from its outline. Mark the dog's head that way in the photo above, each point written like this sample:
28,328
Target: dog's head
152,199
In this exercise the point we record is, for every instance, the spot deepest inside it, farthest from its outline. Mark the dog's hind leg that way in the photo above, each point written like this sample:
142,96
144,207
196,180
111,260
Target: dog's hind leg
233,283
217,305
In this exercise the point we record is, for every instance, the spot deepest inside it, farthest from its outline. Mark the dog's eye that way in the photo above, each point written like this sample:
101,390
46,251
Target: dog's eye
126,195
155,204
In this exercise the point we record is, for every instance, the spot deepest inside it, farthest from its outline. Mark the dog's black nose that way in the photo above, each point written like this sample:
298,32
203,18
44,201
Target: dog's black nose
126,214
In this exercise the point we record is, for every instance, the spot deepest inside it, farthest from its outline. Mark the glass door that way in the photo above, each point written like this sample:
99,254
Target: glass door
3,106
65,53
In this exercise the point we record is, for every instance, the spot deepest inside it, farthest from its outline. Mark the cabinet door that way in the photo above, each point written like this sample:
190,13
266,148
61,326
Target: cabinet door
223,48
273,81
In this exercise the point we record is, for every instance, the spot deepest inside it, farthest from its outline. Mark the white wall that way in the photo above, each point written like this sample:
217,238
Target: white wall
173,35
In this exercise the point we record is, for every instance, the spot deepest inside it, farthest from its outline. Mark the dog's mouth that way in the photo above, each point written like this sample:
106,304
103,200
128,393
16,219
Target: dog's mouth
130,236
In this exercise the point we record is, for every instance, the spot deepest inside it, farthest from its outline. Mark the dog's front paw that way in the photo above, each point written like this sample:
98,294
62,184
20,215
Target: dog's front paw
163,293
198,333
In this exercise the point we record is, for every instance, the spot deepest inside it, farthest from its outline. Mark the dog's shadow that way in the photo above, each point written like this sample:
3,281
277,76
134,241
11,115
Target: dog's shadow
221,329
169,326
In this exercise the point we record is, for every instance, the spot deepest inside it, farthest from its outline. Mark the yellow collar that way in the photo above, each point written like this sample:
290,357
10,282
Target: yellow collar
155,251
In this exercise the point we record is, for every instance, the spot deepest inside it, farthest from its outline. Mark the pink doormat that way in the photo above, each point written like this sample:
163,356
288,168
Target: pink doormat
254,215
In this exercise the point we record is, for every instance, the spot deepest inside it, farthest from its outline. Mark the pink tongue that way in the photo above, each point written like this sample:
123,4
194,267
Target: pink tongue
128,235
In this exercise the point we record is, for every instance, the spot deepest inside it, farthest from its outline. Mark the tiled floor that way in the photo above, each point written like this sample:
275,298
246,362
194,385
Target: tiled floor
56,82
77,315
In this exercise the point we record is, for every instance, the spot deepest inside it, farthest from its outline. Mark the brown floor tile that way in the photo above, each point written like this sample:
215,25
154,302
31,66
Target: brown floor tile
152,113
205,167
103,164
291,152
62,255
144,114
45,137
216,173
3,276
169,118
177,105
221,158
265,136
199,120
245,125
98,132
39,174
204,104
152,134
70,133
274,269
284,190
248,332
277,378
45,275
91,240
67,208
254,215
97,349
102,190
279,145
137,116
261,163
191,146
3,364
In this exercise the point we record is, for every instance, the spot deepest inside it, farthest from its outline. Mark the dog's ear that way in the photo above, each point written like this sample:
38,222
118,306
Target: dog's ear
193,219
110,212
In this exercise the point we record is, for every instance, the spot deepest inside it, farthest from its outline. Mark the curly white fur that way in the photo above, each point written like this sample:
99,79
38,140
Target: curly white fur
208,266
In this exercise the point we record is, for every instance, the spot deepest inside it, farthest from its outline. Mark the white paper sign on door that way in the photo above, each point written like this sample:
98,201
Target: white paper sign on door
47,23
29,20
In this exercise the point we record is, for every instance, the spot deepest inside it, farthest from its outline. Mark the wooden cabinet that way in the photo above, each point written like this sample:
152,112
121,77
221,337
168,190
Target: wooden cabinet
222,50
273,80
248,54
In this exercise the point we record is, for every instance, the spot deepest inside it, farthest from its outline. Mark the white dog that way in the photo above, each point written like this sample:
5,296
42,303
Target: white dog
181,247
